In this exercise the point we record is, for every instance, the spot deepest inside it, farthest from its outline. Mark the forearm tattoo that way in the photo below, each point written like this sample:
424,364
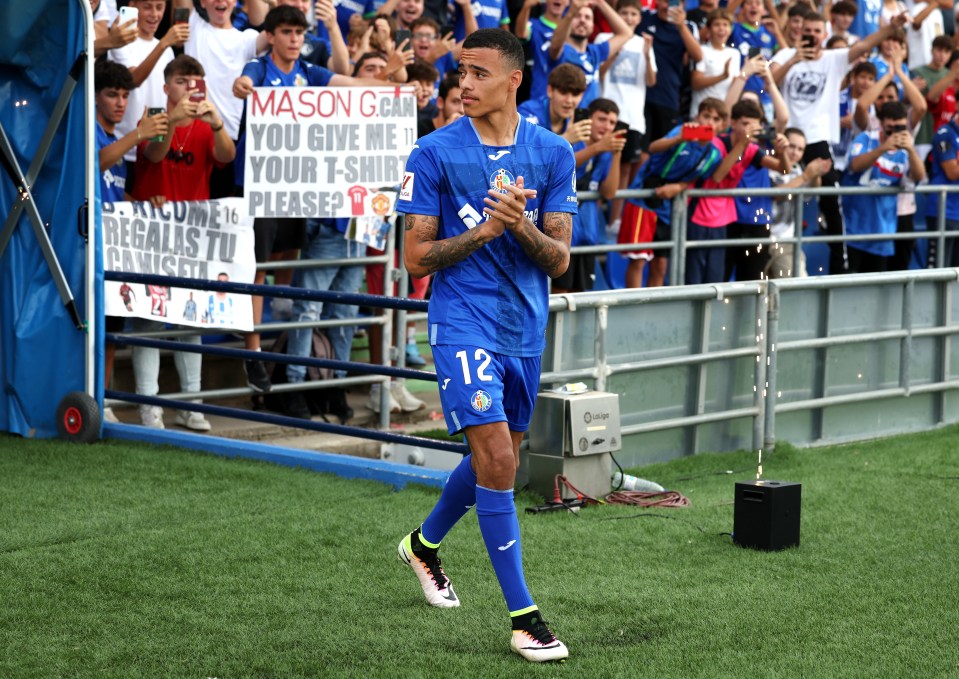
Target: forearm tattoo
442,253
548,248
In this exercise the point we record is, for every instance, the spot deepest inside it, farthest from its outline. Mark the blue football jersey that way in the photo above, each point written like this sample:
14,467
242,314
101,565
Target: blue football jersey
497,297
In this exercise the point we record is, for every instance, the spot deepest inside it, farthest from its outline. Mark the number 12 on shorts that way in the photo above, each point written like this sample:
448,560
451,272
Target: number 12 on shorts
482,358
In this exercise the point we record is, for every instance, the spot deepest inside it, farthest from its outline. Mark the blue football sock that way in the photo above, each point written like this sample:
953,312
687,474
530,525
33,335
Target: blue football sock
459,494
496,512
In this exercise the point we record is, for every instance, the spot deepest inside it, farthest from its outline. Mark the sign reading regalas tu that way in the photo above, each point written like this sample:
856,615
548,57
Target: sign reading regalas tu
325,151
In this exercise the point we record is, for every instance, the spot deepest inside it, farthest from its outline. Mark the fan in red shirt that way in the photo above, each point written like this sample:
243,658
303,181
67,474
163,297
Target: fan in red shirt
178,167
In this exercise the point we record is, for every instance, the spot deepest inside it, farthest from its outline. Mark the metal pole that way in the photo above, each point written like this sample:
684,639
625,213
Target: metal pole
772,335
386,342
677,269
905,344
797,248
761,386
941,226
602,323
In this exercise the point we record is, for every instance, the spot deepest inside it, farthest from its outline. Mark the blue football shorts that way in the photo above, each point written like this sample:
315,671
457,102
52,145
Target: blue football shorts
478,386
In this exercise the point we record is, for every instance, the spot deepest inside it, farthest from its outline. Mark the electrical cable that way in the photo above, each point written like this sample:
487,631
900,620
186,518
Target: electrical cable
664,516
637,498
667,498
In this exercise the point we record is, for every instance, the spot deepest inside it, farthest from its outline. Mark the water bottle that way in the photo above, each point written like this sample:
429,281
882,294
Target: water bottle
634,483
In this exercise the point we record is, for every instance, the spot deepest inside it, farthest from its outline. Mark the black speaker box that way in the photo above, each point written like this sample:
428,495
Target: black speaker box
766,514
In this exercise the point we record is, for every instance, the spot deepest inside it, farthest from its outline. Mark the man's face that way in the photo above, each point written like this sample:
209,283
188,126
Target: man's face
712,119
557,7
817,30
752,11
582,26
111,104
745,125
939,58
371,68
177,86
219,11
485,81
889,93
719,31
862,82
562,104
452,104
795,147
842,22
631,15
149,17
408,11
603,124
889,127
422,40
424,93
887,46
794,25
662,8
287,41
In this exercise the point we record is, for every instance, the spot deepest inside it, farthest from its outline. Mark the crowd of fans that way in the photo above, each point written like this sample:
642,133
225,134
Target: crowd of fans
654,94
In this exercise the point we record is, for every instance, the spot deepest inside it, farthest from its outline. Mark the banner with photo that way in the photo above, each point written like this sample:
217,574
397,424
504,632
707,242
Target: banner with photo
325,151
374,229
210,240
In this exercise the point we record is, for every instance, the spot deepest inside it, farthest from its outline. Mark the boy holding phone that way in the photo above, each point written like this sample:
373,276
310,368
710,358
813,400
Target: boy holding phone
146,57
682,156
556,111
882,159
597,169
177,169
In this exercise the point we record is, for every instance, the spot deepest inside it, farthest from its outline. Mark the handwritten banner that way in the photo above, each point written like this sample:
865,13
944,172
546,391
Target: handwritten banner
325,151
210,240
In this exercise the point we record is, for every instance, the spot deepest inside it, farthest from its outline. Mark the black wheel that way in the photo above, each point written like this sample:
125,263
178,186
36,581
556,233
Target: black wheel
78,418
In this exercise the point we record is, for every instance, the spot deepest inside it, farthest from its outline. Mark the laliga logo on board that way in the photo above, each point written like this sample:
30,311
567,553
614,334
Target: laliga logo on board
481,401
500,179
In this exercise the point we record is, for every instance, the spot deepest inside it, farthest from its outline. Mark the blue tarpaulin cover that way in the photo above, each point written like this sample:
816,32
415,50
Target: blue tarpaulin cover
42,353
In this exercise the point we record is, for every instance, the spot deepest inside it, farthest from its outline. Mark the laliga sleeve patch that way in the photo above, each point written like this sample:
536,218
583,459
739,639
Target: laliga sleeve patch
481,401
406,191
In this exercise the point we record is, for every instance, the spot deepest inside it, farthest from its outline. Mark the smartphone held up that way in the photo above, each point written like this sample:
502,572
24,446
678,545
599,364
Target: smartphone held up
199,85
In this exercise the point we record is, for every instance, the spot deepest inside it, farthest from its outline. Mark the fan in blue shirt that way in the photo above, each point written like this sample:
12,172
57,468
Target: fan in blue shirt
489,201
945,172
570,42
557,109
881,160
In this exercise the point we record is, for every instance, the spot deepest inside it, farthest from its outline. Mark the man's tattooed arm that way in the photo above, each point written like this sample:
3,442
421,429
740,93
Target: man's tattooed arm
424,255
548,248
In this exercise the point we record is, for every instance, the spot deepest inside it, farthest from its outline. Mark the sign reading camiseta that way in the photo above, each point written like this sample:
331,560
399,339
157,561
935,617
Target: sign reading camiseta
210,240
325,151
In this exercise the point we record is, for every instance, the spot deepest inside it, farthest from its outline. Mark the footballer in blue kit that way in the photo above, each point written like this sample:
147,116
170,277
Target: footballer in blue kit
489,201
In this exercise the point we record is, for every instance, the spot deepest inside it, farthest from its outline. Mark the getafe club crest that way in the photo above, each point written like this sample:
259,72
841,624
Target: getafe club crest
481,401
500,179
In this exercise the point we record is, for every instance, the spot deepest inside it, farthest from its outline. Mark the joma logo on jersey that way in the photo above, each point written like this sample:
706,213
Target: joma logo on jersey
500,179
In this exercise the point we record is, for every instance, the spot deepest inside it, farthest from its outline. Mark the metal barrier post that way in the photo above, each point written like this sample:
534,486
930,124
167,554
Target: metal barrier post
798,233
761,386
772,336
386,342
602,323
905,344
941,225
677,269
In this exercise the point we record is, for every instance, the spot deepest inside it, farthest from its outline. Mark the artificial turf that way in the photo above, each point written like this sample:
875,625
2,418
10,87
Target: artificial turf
120,559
